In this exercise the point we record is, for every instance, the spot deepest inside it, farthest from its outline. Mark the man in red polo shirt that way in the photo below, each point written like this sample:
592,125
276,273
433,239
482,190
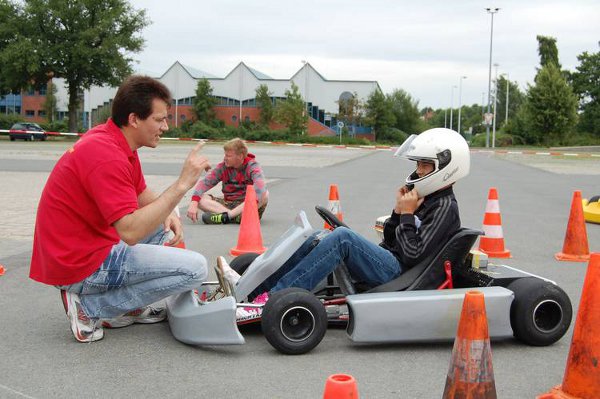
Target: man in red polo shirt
100,231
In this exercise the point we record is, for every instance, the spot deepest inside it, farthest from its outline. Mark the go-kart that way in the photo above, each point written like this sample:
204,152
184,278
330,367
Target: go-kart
422,304
591,209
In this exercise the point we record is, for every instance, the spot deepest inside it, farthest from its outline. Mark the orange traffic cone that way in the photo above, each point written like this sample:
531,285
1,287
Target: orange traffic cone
492,243
582,375
2,270
575,247
471,375
340,386
249,237
334,205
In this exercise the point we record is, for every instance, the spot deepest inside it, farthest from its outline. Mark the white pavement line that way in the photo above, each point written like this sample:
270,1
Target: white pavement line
570,154
16,392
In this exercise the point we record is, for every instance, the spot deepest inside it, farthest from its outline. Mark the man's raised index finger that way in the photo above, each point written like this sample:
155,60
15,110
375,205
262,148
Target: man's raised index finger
198,147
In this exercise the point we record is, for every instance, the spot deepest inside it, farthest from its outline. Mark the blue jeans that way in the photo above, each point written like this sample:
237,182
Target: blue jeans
135,276
366,261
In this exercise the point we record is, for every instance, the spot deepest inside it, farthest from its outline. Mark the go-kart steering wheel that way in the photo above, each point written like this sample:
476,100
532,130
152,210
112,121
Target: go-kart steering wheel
329,217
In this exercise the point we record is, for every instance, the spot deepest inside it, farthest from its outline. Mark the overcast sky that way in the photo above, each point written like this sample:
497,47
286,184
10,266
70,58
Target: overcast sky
421,46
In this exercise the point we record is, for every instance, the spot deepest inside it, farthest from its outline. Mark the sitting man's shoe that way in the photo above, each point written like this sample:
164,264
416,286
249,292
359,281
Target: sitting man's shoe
243,314
146,315
84,329
215,218
237,219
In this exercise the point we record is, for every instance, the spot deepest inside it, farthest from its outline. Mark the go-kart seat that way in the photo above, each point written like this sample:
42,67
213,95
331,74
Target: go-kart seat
428,274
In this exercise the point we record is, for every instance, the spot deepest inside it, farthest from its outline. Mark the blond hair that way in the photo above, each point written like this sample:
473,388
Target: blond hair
237,145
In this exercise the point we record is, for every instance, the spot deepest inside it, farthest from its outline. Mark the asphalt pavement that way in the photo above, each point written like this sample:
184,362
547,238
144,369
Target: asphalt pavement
39,357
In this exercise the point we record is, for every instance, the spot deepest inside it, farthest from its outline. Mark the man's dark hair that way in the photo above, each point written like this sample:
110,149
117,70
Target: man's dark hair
135,95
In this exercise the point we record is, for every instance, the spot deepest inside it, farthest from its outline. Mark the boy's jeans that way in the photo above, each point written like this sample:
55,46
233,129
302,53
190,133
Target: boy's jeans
135,276
366,261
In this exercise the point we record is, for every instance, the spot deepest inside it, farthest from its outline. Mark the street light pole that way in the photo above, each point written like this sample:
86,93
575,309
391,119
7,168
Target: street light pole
507,89
491,11
460,99
495,102
451,104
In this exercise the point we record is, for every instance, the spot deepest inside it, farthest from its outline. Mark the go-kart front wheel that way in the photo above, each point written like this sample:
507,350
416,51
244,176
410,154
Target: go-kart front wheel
294,321
540,313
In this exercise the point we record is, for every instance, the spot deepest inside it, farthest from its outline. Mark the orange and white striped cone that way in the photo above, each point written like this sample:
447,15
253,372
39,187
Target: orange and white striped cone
492,243
334,205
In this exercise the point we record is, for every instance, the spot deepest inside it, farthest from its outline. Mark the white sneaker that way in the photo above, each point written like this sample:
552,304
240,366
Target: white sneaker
84,329
230,275
145,315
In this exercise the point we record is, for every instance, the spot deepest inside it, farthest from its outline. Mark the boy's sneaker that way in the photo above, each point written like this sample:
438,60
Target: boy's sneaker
84,329
251,313
227,272
215,218
146,315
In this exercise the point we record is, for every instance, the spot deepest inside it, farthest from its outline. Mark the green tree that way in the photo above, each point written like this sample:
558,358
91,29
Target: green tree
406,111
379,114
550,107
291,112
265,103
350,110
547,51
515,100
50,101
86,42
586,84
204,102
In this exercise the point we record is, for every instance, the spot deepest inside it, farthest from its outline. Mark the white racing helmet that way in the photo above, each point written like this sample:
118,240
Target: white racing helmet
446,149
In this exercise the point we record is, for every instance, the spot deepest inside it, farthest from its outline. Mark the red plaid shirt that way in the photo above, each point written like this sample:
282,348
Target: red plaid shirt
234,180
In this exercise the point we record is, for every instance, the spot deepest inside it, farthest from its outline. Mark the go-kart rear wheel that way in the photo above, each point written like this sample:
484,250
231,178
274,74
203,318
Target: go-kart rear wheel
241,263
540,313
294,321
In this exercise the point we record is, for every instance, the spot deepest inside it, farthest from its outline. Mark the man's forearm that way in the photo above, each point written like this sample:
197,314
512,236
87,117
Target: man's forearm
139,224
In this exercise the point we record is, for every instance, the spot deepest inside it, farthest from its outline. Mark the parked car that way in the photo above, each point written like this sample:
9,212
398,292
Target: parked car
27,131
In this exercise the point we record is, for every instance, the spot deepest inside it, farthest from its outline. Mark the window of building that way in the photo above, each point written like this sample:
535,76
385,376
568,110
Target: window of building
182,117
29,113
170,117
30,91
43,90
42,113
233,118
247,119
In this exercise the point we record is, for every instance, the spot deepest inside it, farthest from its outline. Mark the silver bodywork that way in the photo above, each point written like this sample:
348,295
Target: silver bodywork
407,316
427,315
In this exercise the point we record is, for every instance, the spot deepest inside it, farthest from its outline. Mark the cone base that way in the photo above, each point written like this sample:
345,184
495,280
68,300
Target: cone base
237,252
571,258
556,393
497,254
2,270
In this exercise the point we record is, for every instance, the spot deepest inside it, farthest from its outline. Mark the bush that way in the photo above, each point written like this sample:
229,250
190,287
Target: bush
6,121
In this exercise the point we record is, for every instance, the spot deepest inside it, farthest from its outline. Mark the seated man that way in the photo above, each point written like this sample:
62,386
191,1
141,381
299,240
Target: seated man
424,218
100,230
238,169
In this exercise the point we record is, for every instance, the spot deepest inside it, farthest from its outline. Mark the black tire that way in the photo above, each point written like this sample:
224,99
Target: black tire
540,313
12,138
241,263
294,321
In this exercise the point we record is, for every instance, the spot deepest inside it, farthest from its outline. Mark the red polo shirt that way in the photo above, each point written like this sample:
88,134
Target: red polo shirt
94,184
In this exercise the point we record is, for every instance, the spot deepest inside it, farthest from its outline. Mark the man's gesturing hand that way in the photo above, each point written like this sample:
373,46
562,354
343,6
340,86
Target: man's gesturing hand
193,167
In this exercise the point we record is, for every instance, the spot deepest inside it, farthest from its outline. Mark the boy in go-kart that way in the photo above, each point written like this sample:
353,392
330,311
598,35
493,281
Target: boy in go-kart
424,218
